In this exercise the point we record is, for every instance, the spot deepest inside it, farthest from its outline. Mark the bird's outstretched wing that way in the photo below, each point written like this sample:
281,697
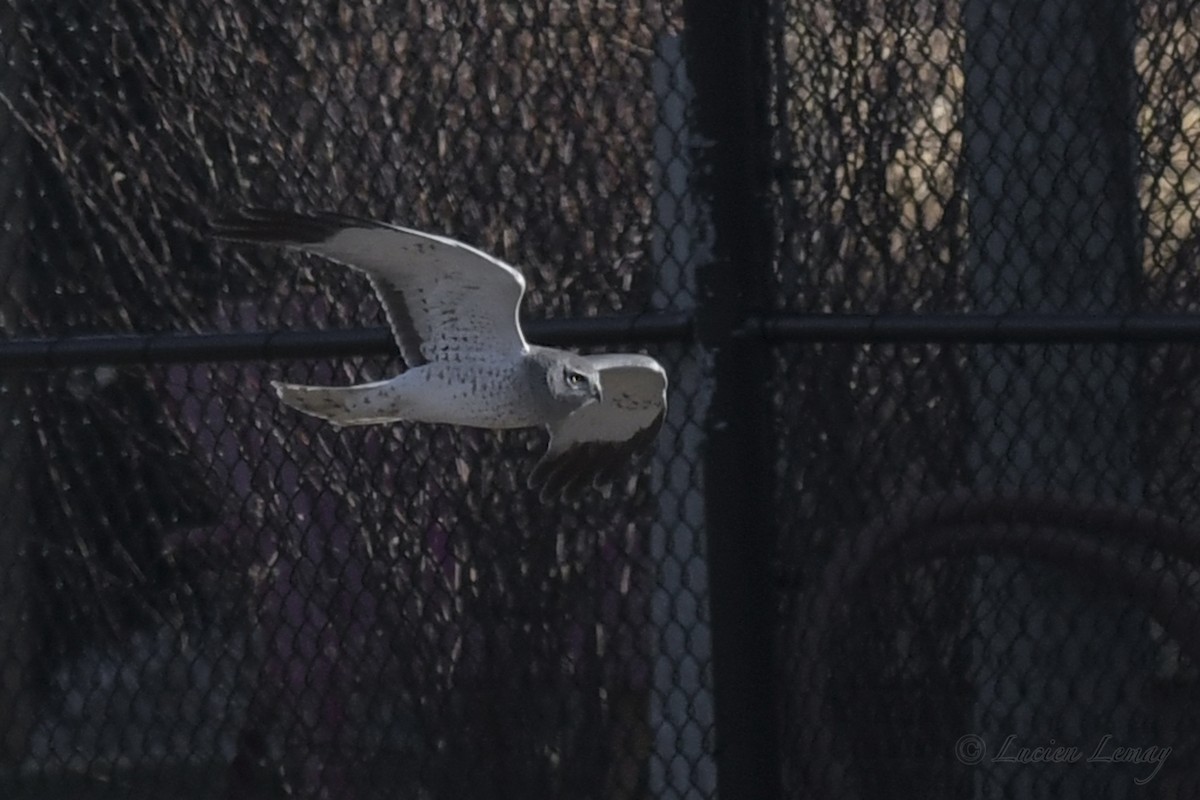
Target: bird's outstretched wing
595,443
445,300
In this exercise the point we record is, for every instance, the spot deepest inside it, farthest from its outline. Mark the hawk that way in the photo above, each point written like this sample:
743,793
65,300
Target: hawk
453,311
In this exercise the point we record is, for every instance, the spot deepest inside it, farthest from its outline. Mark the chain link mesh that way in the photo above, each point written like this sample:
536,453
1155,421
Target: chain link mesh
981,548
987,549
205,593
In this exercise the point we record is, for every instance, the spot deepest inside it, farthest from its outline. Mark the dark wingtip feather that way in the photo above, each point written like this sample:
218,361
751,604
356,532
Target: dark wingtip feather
571,473
590,465
617,460
577,481
270,226
558,474
614,464
539,473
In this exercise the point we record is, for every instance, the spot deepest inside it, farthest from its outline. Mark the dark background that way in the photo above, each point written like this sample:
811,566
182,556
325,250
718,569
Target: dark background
929,471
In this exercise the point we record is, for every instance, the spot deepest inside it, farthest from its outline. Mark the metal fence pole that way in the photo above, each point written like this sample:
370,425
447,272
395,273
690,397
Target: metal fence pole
17,715
681,706
726,50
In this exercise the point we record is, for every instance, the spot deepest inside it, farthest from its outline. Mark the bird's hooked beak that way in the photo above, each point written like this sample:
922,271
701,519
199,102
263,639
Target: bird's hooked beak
597,393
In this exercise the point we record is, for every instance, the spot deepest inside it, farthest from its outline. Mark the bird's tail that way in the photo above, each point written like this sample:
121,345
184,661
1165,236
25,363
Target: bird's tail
365,404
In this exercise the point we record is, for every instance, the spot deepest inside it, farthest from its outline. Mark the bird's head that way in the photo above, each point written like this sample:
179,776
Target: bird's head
573,381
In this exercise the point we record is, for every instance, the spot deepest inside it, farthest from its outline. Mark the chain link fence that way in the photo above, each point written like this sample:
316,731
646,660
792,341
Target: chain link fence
211,596
976,544
988,548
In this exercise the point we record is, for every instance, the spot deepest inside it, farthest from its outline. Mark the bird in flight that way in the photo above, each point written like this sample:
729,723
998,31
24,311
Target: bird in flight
453,311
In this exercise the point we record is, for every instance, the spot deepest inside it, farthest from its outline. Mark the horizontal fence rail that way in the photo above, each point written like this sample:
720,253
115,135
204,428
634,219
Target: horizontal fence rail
978,328
157,348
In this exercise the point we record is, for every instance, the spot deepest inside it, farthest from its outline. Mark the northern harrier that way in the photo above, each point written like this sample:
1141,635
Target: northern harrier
453,311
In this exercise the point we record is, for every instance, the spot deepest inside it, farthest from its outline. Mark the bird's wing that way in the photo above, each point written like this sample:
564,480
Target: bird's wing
444,300
594,443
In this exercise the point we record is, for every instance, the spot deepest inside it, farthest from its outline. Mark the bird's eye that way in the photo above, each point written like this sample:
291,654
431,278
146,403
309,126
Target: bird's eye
575,378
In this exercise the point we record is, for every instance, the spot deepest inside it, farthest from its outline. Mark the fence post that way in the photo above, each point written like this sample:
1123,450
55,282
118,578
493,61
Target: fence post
725,46
681,705
17,717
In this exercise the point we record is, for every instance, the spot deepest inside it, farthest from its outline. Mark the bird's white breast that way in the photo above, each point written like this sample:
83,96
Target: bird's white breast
482,394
